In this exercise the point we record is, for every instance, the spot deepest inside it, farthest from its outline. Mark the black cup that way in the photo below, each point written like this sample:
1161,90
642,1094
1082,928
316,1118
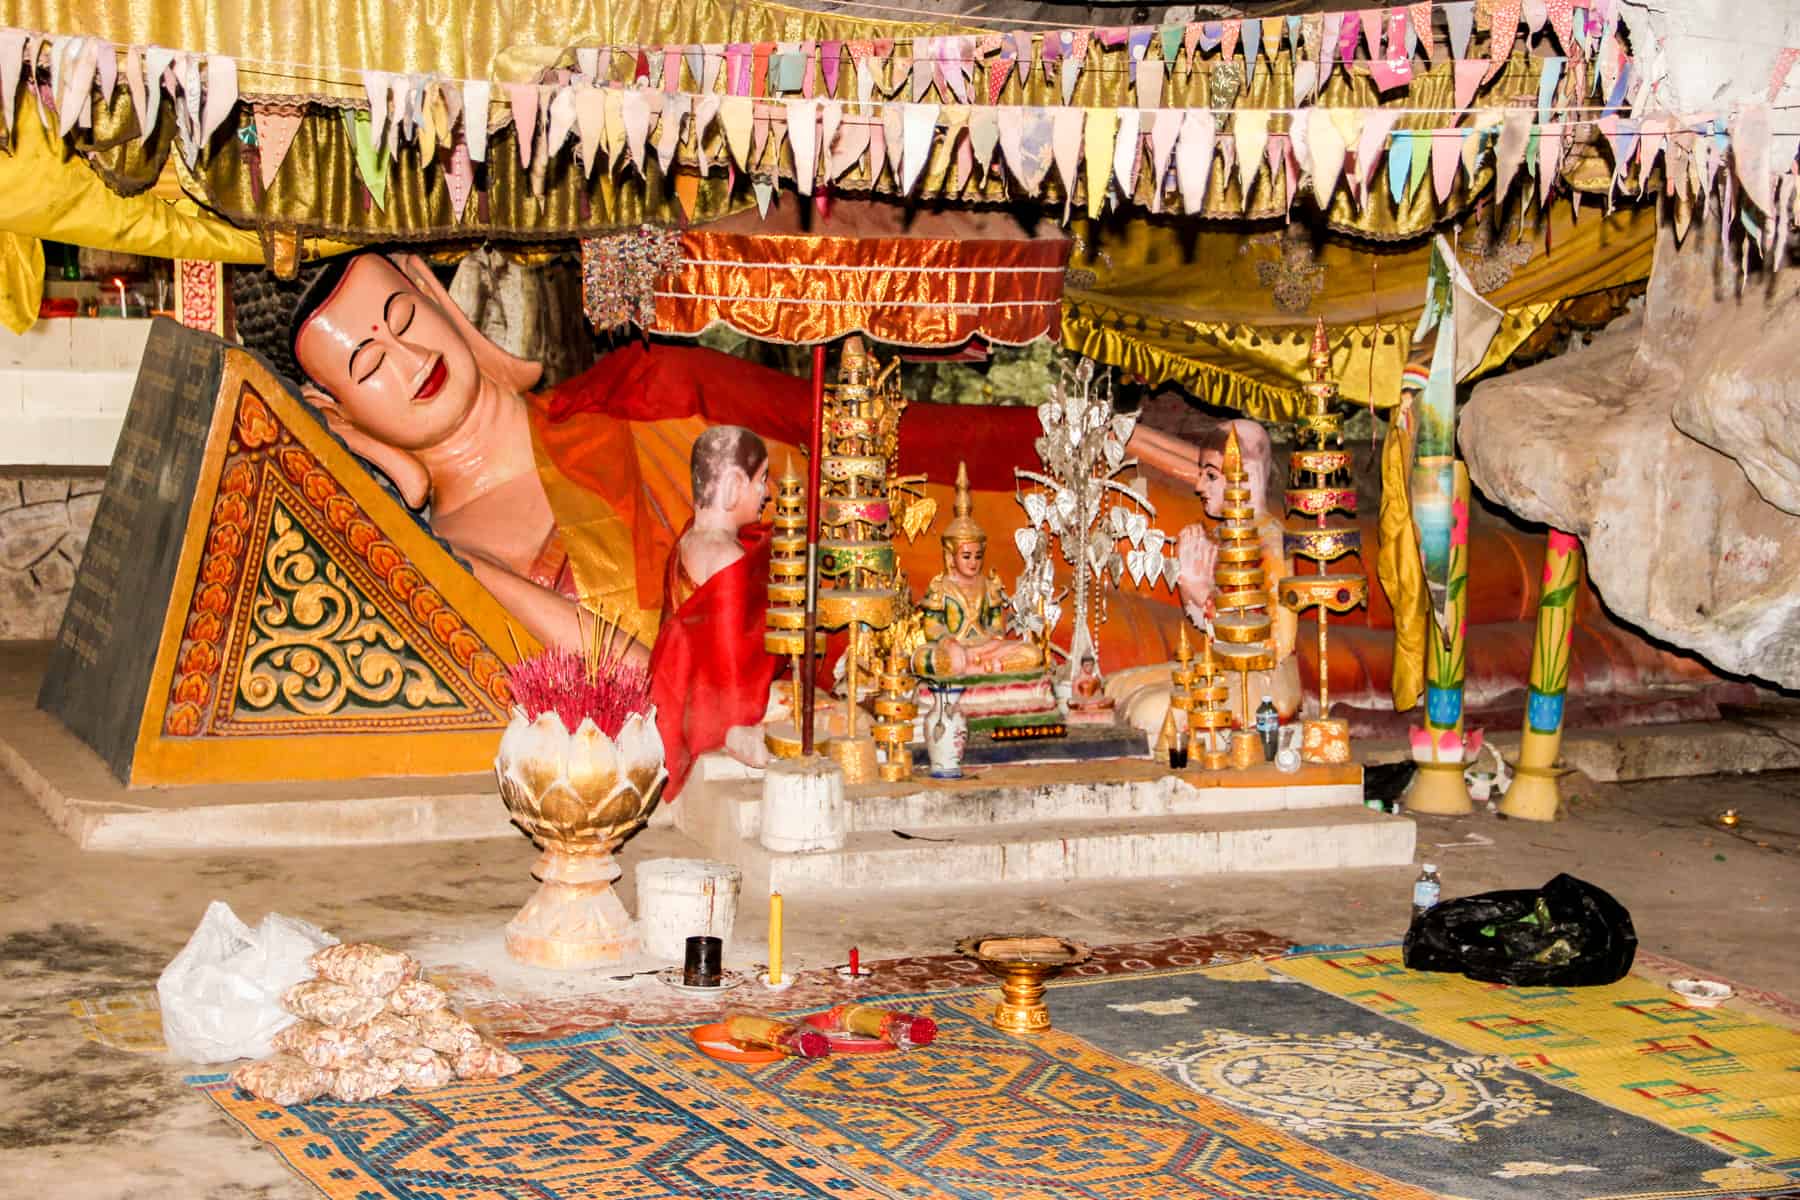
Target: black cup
701,968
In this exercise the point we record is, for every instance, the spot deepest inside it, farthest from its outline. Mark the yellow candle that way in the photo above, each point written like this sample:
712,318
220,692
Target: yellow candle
774,937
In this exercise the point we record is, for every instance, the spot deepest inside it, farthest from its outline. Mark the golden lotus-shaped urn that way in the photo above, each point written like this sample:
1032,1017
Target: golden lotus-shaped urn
579,796
1022,962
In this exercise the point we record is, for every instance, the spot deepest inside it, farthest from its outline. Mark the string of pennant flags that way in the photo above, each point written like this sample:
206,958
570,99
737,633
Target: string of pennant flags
891,109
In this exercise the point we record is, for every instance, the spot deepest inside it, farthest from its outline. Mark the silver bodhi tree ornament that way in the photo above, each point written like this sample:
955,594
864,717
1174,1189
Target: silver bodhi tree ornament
1078,503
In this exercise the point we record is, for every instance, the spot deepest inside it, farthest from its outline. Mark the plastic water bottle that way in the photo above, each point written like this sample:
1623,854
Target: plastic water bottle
1268,727
1426,890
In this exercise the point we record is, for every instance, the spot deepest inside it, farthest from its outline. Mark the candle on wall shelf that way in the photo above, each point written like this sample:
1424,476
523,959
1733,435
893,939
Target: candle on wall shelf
774,978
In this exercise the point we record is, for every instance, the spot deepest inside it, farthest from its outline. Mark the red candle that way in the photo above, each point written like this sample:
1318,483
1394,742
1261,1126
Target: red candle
855,961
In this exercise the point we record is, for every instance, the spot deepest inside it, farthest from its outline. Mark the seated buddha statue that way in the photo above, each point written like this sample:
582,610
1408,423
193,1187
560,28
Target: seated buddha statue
964,609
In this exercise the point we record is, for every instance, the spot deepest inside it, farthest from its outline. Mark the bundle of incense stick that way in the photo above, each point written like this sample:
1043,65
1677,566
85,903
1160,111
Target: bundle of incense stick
600,682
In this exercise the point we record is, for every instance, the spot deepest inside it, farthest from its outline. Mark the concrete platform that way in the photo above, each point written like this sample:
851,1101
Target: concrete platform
1117,819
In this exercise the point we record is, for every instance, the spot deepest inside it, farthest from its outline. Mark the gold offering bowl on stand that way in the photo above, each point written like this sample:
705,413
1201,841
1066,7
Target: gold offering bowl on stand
1023,962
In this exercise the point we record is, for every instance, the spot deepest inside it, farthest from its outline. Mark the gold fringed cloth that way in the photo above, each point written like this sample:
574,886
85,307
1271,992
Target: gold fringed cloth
931,279
1228,314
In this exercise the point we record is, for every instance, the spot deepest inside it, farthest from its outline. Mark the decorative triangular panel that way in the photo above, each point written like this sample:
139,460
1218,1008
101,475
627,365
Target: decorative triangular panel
304,624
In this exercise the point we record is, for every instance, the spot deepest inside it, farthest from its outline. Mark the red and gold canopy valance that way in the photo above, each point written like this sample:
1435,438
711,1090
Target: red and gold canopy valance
920,279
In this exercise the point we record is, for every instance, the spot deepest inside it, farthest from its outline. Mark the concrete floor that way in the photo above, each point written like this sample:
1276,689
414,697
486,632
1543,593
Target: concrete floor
80,1120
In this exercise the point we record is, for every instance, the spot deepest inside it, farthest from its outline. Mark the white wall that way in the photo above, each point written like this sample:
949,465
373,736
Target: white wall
64,387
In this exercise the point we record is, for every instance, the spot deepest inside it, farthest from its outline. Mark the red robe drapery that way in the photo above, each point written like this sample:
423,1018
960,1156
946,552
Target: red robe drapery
708,669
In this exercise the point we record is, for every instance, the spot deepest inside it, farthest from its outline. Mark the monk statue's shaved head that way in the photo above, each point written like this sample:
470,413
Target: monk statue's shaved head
716,452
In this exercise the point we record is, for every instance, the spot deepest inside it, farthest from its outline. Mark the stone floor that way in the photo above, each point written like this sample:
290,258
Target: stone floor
81,1120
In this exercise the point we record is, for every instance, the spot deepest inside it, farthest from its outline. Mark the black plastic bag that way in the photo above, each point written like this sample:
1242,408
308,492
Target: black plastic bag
1568,933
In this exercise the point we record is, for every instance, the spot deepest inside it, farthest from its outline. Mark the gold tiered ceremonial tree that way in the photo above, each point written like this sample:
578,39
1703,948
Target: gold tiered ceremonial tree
786,633
895,707
1242,625
1320,485
1202,697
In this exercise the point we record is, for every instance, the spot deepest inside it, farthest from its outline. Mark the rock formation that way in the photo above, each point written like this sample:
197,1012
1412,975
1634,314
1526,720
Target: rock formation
1671,445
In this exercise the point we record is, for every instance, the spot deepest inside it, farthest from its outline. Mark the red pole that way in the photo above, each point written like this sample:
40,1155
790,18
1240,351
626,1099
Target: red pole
812,547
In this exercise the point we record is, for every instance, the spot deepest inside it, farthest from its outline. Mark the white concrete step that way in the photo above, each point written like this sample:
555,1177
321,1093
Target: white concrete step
1067,850
1117,789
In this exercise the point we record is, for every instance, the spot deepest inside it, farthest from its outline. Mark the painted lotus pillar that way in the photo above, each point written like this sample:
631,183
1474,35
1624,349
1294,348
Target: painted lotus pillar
1535,794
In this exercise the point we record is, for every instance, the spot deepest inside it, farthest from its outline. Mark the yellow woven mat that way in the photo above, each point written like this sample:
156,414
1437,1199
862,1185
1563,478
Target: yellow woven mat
1729,1076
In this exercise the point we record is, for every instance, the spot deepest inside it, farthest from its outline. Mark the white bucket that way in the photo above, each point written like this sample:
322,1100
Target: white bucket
680,898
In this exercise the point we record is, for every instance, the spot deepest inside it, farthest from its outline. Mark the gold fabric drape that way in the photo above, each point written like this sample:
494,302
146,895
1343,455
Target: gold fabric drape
936,280
1397,564
1229,315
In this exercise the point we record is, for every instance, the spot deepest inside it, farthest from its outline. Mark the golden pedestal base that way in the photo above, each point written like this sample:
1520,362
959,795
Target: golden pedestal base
1535,795
574,919
1246,749
1439,789
1022,979
1325,741
855,757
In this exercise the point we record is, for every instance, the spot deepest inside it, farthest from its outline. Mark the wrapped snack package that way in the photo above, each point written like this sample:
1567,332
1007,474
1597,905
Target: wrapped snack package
283,1079
421,1069
488,1060
446,1032
416,996
321,1045
389,1035
748,1028
902,1029
364,1080
365,967
331,1004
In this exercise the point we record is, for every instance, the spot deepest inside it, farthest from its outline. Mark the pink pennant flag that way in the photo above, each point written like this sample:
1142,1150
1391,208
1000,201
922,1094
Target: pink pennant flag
831,60
523,98
1377,124
134,82
1281,166
1562,23
1784,63
560,120
1228,46
1502,33
1331,31
460,177
706,113
274,135
1446,156
1190,38
851,143
1470,73
1370,20
1750,142
1194,157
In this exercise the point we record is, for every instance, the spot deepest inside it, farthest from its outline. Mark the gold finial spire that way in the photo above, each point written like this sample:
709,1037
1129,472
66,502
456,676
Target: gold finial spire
1321,352
1234,458
1182,652
963,527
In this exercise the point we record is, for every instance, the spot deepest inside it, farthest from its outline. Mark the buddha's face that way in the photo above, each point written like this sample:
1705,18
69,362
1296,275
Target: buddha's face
966,560
390,358
1211,483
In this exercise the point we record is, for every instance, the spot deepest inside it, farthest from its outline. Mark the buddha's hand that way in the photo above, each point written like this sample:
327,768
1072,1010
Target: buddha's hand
1199,556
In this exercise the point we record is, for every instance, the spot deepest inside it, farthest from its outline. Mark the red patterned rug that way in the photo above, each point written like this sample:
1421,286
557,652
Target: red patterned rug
645,1000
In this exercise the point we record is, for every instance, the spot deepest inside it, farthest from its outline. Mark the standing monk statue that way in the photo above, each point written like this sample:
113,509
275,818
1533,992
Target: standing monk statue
709,673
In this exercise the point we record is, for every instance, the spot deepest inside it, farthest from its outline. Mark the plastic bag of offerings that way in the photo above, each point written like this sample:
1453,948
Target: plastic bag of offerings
221,996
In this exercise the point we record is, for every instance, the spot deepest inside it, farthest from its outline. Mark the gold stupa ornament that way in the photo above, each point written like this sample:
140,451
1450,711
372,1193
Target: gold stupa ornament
1202,697
1242,629
1319,485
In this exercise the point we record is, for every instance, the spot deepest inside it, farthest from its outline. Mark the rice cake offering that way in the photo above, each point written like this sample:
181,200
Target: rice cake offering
364,1080
365,967
488,1060
389,1035
446,1032
283,1079
421,1069
321,1045
416,996
331,1003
